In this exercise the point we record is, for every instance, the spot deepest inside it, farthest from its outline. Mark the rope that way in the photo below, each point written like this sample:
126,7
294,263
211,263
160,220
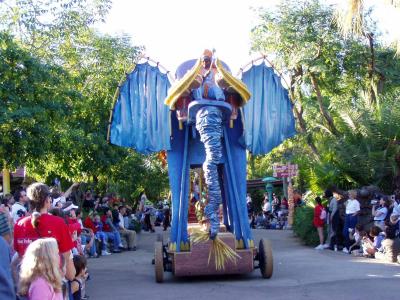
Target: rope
264,59
160,66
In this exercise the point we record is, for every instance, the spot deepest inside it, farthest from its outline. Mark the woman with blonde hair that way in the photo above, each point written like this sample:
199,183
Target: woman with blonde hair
40,275
352,211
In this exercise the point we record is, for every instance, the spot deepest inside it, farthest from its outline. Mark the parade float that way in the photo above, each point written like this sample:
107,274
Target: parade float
205,119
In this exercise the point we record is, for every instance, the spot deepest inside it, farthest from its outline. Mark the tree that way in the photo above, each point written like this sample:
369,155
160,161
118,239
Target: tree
34,100
333,79
61,33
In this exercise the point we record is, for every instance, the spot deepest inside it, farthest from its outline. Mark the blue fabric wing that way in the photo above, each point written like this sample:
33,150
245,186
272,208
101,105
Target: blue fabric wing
140,118
268,115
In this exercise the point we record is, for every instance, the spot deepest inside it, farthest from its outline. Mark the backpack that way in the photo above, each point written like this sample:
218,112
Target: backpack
322,216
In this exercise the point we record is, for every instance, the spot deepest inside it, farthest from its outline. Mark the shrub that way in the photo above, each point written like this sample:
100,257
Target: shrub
303,225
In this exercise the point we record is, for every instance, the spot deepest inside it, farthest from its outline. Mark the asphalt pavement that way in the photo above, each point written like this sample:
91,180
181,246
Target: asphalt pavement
300,272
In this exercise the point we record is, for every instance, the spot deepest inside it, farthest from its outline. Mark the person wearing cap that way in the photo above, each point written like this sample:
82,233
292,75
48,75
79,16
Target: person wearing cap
209,88
70,217
69,205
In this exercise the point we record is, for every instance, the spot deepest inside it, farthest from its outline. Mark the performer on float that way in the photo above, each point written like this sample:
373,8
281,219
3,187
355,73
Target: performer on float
209,126
209,88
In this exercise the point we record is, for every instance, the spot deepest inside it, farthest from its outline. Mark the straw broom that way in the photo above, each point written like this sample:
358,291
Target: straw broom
222,252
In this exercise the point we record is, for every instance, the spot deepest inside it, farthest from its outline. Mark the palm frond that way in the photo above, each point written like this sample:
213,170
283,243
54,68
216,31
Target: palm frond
351,19
324,128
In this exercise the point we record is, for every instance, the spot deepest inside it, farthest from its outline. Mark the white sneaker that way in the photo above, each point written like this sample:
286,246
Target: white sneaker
326,246
335,248
319,247
345,250
105,253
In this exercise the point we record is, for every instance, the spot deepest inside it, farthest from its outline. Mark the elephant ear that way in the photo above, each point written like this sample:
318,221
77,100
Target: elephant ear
139,118
268,115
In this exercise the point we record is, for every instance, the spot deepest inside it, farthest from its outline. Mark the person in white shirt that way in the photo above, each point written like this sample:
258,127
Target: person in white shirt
381,212
142,202
18,209
395,215
266,206
352,211
127,234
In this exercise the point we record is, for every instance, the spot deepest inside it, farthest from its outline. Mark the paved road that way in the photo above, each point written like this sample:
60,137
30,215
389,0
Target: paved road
299,273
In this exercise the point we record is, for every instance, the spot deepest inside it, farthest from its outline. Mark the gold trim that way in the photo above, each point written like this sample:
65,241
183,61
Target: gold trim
239,244
236,84
182,85
185,246
172,247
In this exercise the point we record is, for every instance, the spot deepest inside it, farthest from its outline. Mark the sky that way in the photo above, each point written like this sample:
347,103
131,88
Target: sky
173,31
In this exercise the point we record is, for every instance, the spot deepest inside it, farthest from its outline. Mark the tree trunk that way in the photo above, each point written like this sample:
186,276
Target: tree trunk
371,69
300,119
322,108
252,165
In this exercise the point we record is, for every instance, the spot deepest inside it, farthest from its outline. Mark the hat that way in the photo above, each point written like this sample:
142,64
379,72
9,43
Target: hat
59,199
68,206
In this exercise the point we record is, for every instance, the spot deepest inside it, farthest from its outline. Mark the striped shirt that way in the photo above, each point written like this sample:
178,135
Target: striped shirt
4,226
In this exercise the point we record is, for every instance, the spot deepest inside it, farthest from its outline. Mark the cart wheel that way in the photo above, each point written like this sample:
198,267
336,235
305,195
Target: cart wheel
159,261
265,258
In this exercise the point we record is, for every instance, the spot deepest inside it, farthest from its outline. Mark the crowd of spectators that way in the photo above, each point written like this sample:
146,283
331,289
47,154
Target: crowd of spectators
271,215
380,240
47,237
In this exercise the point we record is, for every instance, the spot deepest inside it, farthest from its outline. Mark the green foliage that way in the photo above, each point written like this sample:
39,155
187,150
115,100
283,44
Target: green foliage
257,197
303,225
60,78
355,136
33,99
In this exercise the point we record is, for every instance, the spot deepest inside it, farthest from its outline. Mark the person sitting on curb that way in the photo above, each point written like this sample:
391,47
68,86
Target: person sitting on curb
110,230
356,236
378,236
94,223
390,247
129,235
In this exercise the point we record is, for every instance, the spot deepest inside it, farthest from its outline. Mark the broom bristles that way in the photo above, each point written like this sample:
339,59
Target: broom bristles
221,251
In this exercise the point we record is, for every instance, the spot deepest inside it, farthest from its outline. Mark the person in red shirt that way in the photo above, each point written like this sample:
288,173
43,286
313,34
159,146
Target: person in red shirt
319,221
111,232
42,225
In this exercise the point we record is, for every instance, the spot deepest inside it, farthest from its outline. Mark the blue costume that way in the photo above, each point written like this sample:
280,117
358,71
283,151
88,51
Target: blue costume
208,89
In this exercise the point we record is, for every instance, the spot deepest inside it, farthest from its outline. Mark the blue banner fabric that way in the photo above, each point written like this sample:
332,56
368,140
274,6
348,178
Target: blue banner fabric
268,115
140,119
